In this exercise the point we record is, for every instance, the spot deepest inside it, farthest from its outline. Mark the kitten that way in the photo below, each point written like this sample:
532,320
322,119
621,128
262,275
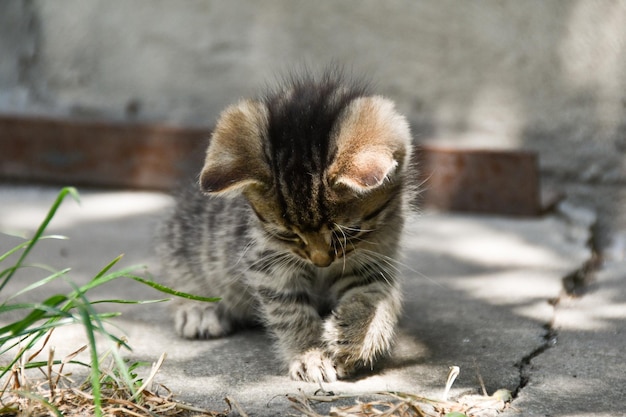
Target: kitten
307,196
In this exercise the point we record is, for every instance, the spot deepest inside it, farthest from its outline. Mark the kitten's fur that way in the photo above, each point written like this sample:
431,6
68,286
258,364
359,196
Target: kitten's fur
307,199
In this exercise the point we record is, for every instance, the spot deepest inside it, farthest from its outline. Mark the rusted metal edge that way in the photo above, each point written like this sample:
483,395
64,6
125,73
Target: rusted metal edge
152,156
63,151
480,180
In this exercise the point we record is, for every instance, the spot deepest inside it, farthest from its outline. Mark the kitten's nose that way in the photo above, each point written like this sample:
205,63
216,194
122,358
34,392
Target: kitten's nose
318,247
320,258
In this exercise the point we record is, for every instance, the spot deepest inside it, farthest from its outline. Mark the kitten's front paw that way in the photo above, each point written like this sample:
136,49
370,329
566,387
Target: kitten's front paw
200,321
359,333
313,366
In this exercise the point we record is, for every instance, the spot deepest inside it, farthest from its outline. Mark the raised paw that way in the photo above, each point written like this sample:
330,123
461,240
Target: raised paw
360,332
312,366
200,321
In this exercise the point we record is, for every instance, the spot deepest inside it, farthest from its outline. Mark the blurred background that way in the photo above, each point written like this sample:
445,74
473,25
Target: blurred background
541,76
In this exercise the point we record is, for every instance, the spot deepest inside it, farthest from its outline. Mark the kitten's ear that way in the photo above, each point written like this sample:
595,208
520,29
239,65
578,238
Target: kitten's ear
373,143
367,170
234,158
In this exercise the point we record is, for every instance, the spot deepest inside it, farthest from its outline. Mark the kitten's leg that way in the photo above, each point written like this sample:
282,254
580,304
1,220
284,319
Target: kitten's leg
196,320
362,326
204,320
297,326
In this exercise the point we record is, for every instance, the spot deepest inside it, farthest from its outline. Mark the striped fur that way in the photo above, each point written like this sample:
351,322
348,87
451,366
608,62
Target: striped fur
299,226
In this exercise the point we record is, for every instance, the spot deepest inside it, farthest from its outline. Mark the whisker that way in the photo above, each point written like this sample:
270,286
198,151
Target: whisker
398,265
245,250
353,229
342,245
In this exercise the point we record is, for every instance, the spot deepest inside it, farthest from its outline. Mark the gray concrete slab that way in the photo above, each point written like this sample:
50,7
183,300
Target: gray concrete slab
584,373
478,295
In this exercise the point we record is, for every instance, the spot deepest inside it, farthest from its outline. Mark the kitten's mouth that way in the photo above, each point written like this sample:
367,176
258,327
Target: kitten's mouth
324,259
321,249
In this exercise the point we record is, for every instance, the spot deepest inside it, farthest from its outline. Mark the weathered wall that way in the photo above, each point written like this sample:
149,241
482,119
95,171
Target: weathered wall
543,75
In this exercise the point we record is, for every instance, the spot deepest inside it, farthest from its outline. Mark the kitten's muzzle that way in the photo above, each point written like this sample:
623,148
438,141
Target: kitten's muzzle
320,258
317,248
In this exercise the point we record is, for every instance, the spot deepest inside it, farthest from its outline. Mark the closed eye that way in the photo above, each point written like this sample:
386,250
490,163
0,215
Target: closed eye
350,232
285,236
353,231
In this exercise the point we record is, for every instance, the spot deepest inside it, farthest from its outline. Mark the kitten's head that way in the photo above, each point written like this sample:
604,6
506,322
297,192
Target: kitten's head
322,165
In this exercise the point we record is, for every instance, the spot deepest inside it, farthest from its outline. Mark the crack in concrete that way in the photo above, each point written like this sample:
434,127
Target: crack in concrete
524,366
575,284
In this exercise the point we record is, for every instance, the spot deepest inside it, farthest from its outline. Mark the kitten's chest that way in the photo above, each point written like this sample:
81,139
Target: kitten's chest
325,285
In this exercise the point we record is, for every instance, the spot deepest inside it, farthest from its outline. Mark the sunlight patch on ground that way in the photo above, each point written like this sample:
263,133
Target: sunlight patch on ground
25,211
499,242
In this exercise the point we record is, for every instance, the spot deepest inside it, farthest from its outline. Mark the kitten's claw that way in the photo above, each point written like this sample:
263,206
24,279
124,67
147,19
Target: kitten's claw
313,366
200,322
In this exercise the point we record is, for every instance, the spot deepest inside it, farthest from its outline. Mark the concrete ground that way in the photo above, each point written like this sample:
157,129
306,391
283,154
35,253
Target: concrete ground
486,294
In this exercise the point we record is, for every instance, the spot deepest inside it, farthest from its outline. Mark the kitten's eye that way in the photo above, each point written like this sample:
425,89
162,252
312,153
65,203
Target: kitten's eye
286,236
349,232
352,231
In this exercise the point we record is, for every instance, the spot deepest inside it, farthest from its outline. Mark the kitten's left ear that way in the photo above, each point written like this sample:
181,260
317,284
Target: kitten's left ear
234,158
373,142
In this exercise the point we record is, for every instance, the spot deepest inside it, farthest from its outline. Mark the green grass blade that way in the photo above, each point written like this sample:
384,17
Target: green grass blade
34,332
42,267
103,279
34,316
95,373
30,340
42,364
92,323
39,233
39,283
51,313
113,301
168,290
22,245
26,306
13,250
87,316
107,267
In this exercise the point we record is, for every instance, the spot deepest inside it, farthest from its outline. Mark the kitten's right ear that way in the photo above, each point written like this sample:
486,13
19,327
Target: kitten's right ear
373,143
234,158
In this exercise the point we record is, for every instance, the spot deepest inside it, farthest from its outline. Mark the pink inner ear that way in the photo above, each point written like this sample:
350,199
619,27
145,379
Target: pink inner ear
367,170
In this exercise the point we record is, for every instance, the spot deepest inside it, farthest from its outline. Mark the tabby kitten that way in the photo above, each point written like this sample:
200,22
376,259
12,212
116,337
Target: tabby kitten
307,195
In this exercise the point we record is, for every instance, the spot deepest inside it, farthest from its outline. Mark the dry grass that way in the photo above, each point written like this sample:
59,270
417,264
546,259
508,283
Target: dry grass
396,404
48,389
399,404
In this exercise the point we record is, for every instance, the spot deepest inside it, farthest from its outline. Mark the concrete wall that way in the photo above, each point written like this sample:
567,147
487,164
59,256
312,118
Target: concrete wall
543,75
